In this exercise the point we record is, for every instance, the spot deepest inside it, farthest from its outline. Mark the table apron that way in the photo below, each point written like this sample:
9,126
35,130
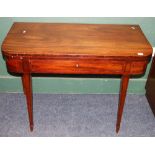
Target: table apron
77,66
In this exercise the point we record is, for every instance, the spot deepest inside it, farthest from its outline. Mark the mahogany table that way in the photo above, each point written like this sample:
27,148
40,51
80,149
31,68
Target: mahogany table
76,49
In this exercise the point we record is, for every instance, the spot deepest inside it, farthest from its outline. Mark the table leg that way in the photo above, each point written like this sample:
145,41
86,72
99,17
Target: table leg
23,84
123,90
27,85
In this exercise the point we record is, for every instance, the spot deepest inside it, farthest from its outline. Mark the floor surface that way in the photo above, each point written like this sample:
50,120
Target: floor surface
75,115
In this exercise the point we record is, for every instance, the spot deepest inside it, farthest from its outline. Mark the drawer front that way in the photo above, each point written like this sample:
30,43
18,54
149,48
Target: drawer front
77,66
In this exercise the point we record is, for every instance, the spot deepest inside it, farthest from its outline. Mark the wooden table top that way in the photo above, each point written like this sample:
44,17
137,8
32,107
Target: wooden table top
56,39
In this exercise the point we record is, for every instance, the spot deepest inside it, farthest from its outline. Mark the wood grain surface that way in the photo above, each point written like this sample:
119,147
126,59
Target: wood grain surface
75,40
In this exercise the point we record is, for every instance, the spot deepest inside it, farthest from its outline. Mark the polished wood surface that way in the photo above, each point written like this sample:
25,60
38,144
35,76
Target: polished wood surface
78,65
150,87
75,39
28,92
76,49
123,91
27,86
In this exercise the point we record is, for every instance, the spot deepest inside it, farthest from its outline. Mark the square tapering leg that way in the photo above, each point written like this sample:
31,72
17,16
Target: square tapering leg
27,87
23,83
123,91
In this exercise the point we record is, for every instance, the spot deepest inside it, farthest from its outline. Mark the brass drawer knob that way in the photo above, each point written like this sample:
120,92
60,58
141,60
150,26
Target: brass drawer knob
24,31
77,65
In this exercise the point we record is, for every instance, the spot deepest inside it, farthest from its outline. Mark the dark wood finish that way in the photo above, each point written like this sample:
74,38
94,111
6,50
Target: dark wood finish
23,83
75,39
73,65
28,93
27,85
123,90
76,49
77,66
150,87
